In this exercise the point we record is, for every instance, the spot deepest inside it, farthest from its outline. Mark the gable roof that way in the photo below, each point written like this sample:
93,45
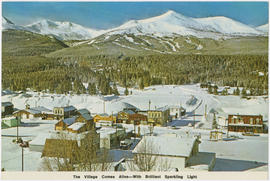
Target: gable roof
59,148
32,111
70,121
76,126
41,109
83,111
87,117
69,108
170,146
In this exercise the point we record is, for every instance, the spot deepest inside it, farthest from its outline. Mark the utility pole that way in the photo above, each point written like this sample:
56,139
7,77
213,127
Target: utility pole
228,129
22,158
104,107
149,104
17,128
194,118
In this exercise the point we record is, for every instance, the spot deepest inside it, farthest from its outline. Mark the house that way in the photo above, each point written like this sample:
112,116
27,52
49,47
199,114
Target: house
105,117
46,114
159,117
111,137
177,111
65,123
137,119
216,135
178,152
10,122
123,116
7,108
28,113
64,112
84,116
245,123
77,127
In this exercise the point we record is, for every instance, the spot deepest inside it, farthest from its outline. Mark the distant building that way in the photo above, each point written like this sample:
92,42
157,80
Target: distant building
28,113
177,111
64,112
123,116
245,123
84,116
137,119
7,108
159,117
77,127
105,117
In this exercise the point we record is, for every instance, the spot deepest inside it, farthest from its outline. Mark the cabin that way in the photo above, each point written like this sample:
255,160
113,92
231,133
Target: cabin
7,108
180,153
64,112
245,123
28,113
137,119
177,112
123,116
65,123
159,117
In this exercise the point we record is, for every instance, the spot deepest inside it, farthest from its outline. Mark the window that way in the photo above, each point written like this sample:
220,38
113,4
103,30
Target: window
251,121
257,121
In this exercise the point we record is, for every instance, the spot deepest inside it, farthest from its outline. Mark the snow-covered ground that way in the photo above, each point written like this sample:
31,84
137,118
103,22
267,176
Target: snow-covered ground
243,154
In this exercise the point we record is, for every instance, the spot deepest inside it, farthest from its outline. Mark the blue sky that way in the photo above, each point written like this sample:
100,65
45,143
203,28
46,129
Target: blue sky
104,15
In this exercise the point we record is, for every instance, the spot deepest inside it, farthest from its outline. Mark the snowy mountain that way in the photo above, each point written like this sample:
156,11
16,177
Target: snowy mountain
263,28
174,23
226,25
64,30
7,24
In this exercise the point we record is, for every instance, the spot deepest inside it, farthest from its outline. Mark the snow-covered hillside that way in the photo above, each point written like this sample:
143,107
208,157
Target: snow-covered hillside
263,28
64,30
226,25
7,24
172,23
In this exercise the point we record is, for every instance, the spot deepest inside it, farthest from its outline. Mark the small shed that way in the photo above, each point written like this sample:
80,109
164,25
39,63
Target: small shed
11,121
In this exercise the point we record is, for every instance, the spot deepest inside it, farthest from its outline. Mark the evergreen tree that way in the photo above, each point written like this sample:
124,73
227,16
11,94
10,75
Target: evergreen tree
115,90
141,84
126,91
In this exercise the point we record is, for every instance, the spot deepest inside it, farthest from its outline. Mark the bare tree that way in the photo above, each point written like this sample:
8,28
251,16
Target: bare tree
145,159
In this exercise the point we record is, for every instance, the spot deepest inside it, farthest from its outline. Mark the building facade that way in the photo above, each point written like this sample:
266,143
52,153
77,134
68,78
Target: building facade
159,117
245,123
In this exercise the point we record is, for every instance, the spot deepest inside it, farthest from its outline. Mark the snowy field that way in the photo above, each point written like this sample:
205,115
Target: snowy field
243,154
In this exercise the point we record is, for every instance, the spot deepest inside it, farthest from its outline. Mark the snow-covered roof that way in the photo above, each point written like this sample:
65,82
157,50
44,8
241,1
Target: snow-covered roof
87,117
70,121
69,108
32,111
128,111
170,146
9,118
7,104
163,108
83,111
42,109
76,126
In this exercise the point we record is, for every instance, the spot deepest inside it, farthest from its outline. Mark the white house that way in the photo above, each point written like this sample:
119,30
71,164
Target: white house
175,151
